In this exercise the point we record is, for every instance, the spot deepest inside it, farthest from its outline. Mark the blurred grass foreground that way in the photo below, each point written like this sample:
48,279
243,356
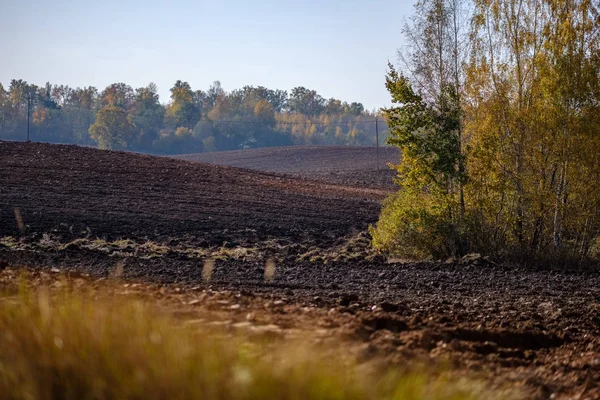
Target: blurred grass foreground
72,344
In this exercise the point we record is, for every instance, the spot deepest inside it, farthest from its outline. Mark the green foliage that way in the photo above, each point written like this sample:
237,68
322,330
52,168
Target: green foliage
414,225
426,123
425,217
147,115
306,101
112,129
181,141
219,120
522,127
183,110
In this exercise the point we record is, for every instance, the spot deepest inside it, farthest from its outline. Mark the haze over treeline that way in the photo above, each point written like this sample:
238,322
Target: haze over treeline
121,117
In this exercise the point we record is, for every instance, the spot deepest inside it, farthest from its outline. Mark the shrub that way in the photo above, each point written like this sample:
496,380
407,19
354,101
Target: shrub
413,225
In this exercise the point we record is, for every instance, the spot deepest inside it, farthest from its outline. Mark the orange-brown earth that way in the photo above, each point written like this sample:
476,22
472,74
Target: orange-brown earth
157,220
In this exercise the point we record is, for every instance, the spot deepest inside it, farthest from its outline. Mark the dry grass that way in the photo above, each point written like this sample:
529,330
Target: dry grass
207,269
270,268
77,344
356,246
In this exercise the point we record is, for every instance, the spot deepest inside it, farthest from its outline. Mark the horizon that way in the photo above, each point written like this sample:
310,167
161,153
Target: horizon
340,49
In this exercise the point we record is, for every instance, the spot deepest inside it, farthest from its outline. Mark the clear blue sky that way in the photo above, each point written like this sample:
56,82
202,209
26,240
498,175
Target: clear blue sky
339,48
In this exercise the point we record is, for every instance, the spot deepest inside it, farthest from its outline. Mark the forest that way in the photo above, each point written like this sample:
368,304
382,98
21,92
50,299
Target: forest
496,109
192,121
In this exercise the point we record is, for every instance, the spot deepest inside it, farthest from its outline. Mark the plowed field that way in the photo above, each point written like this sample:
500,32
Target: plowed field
158,220
354,166
78,191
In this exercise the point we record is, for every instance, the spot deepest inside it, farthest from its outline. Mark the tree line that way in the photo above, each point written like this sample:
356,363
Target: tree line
120,117
496,107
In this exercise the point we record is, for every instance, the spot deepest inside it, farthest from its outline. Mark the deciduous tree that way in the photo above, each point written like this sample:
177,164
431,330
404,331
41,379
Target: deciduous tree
112,129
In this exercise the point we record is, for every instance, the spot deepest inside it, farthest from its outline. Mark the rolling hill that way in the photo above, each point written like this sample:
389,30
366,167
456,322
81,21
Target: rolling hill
351,166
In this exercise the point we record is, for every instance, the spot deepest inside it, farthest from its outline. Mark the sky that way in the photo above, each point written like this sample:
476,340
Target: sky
338,48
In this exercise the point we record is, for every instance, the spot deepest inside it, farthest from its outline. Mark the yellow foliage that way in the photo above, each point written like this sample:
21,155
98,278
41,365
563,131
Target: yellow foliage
529,117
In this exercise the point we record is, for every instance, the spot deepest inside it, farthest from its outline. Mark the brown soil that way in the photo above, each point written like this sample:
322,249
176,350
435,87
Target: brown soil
539,328
75,191
353,166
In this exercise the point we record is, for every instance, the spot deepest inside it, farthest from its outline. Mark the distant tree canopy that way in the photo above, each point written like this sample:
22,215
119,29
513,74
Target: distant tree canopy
120,117
112,129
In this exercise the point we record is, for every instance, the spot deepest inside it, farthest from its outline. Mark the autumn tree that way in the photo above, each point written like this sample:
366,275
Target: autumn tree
79,111
426,124
4,104
306,101
183,111
112,129
117,94
427,210
214,119
147,114
527,123
214,92
265,113
570,95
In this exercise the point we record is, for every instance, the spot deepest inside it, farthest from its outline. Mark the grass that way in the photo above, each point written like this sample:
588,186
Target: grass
70,343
